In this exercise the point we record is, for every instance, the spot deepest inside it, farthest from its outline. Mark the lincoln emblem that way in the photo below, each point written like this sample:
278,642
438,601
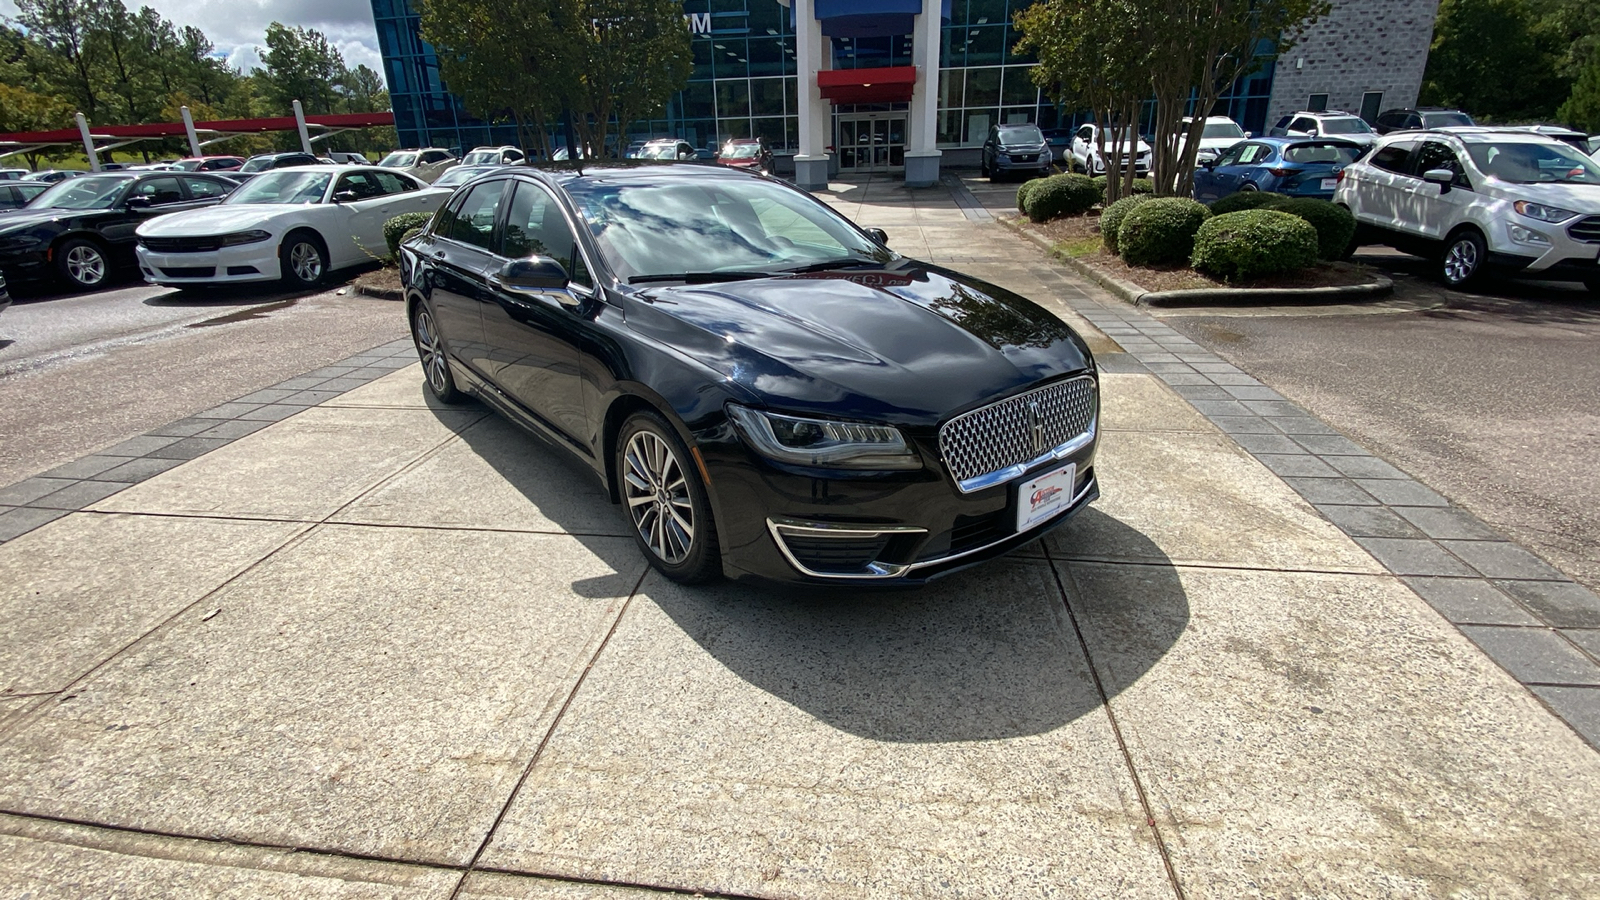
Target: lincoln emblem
1036,422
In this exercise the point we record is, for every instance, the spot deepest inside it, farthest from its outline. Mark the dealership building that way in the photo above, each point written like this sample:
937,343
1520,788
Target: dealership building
907,86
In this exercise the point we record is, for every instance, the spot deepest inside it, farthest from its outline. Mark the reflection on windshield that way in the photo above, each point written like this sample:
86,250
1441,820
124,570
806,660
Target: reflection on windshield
460,175
1535,163
661,151
741,151
89,192
288,186
1345,126
1021,136
654,228
1222,130
399,160
480,157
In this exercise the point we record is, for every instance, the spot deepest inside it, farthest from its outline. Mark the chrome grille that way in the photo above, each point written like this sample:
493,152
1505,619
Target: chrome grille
1586,230
181,244
1001,436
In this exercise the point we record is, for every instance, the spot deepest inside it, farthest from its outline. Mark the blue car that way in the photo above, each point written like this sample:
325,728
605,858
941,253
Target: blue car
1297,166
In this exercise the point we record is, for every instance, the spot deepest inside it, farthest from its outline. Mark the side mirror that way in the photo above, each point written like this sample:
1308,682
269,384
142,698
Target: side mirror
1442,177
1311,132
138,203
537,275
879,235
345,197
1249,134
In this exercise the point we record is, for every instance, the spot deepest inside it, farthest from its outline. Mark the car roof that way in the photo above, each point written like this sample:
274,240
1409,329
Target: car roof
1478,134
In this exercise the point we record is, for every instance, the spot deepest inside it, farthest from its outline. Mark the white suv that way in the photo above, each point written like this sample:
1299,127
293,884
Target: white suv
1086,149
1475,198
1328,123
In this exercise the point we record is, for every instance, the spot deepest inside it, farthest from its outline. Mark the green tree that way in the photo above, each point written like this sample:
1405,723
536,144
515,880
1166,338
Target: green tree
1582,109
1496,59
59,32
633,55
300,64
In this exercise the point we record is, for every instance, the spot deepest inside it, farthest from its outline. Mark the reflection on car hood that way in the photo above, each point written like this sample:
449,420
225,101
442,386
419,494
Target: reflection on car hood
224,219
1580,198
905,344
27,218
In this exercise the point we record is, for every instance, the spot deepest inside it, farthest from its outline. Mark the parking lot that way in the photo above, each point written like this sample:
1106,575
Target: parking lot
375,647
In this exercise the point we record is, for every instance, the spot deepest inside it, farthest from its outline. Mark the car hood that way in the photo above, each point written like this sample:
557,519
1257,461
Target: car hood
907,344
225,218
28,218
1583,199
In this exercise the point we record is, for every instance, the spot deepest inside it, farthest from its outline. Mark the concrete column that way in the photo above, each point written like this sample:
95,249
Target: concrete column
922,157
811,163
88,144
188,128
300,123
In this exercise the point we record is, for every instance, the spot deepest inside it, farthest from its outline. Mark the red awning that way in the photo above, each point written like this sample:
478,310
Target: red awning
890,84
226,126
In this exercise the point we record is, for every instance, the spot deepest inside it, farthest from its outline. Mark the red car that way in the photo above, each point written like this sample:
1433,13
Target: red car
209,163
746,153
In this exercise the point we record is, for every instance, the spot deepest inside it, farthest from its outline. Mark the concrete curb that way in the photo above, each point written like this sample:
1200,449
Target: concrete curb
1381,286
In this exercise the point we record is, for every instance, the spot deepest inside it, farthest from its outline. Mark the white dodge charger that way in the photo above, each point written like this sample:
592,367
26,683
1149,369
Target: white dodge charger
295,224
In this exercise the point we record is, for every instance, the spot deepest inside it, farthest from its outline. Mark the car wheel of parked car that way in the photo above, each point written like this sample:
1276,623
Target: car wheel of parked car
1463,259
302,259
430,349
666,501
1593,284
82,263
1247,187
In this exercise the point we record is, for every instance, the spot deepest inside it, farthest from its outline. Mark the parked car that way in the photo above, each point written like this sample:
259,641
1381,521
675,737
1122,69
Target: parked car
210,163
12,174
17,194
1419,118
782,398
494,156
349,158
1015,148
1329,123
1476,199
1217,135
633,149
1298,167
1086,149
294,225
1060,141
83,228
266,162
1561,133
668,148
746,153
53,176
423,165
459,175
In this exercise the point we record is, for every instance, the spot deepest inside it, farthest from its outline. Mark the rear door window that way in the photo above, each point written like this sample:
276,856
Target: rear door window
1396,157
201,188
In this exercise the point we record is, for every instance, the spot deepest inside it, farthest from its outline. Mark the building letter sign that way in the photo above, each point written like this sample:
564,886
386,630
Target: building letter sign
699,23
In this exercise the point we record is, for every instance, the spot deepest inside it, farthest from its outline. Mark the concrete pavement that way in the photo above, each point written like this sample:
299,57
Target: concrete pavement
380,648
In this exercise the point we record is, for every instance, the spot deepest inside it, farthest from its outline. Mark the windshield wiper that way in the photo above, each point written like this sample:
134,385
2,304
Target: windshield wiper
699,277
844,262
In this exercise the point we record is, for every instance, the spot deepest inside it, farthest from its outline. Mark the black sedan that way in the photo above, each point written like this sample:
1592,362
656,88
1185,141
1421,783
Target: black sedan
81,229
769,391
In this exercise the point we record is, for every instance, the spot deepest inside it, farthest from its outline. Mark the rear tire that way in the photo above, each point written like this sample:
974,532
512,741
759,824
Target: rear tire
1463,259
303,260
665,501
83,264
435,364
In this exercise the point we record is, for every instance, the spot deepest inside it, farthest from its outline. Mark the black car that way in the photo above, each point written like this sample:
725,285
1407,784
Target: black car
17,194
82,228
1015,148
266,161
768,390
1414,118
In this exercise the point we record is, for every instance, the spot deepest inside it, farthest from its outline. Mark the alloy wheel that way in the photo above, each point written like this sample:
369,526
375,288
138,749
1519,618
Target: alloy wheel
433,362
1461,261
86,265
306,261
658,497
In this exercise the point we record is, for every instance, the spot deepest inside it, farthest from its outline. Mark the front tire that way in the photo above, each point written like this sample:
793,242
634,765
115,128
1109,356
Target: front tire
1464,255
435,365
666,501
83,264
303,260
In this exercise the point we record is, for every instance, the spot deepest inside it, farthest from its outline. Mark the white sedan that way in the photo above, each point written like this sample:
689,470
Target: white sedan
295,224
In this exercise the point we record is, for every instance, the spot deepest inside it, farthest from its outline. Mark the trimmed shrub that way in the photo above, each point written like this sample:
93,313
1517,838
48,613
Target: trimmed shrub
1160,231
1025,193
1062,195
1100,186
1141,187
1243,200
1111,219
400,227
1253,243
1334,224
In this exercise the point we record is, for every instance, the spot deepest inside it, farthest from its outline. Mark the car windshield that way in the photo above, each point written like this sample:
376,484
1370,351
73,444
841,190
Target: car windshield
258,164
666,227
1222,130
1346,125
480,157
186,165
1336,154
741,151
89,192
398,160
1445,119
460,175
1118,135
659,151
1028,135
1531,163
287,186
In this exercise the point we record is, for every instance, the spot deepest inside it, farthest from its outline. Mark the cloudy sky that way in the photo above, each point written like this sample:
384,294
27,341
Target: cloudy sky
238,27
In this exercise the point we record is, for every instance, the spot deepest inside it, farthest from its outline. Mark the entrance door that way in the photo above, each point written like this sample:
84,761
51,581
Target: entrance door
872,142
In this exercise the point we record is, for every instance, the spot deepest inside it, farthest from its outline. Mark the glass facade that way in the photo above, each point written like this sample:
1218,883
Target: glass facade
744,80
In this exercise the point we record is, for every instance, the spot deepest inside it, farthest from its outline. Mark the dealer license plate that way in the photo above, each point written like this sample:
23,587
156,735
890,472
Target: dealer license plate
1329,184
1043,497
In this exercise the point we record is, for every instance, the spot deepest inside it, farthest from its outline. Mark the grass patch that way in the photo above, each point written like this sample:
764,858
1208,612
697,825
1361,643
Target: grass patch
1079,248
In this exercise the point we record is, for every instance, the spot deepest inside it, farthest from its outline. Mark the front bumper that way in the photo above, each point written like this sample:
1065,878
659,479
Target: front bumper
1562,258
1021,162
889,529
230,265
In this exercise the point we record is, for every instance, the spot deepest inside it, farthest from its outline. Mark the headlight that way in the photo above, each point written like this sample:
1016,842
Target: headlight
824,442
1527,235
18,242
245,237
1541,212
